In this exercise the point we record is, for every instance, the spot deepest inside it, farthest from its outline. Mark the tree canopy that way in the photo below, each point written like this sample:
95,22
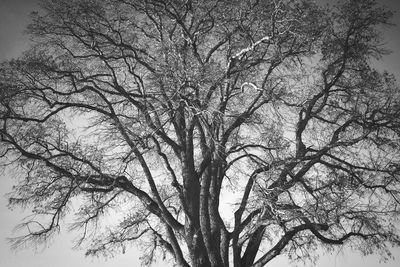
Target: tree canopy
215,133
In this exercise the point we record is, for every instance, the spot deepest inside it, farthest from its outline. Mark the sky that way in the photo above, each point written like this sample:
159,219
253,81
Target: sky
14,17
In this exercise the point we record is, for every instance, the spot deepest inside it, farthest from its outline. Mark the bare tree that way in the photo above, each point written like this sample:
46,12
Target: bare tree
143,118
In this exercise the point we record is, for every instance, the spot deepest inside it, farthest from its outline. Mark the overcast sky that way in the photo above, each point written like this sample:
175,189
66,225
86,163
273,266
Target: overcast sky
14,16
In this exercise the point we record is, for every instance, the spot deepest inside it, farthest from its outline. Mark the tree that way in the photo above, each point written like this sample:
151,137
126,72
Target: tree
141,118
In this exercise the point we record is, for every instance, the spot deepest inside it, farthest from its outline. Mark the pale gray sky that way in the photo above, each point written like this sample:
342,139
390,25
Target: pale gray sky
14,16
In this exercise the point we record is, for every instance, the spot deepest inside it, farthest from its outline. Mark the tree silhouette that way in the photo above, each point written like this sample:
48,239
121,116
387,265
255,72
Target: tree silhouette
214,132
